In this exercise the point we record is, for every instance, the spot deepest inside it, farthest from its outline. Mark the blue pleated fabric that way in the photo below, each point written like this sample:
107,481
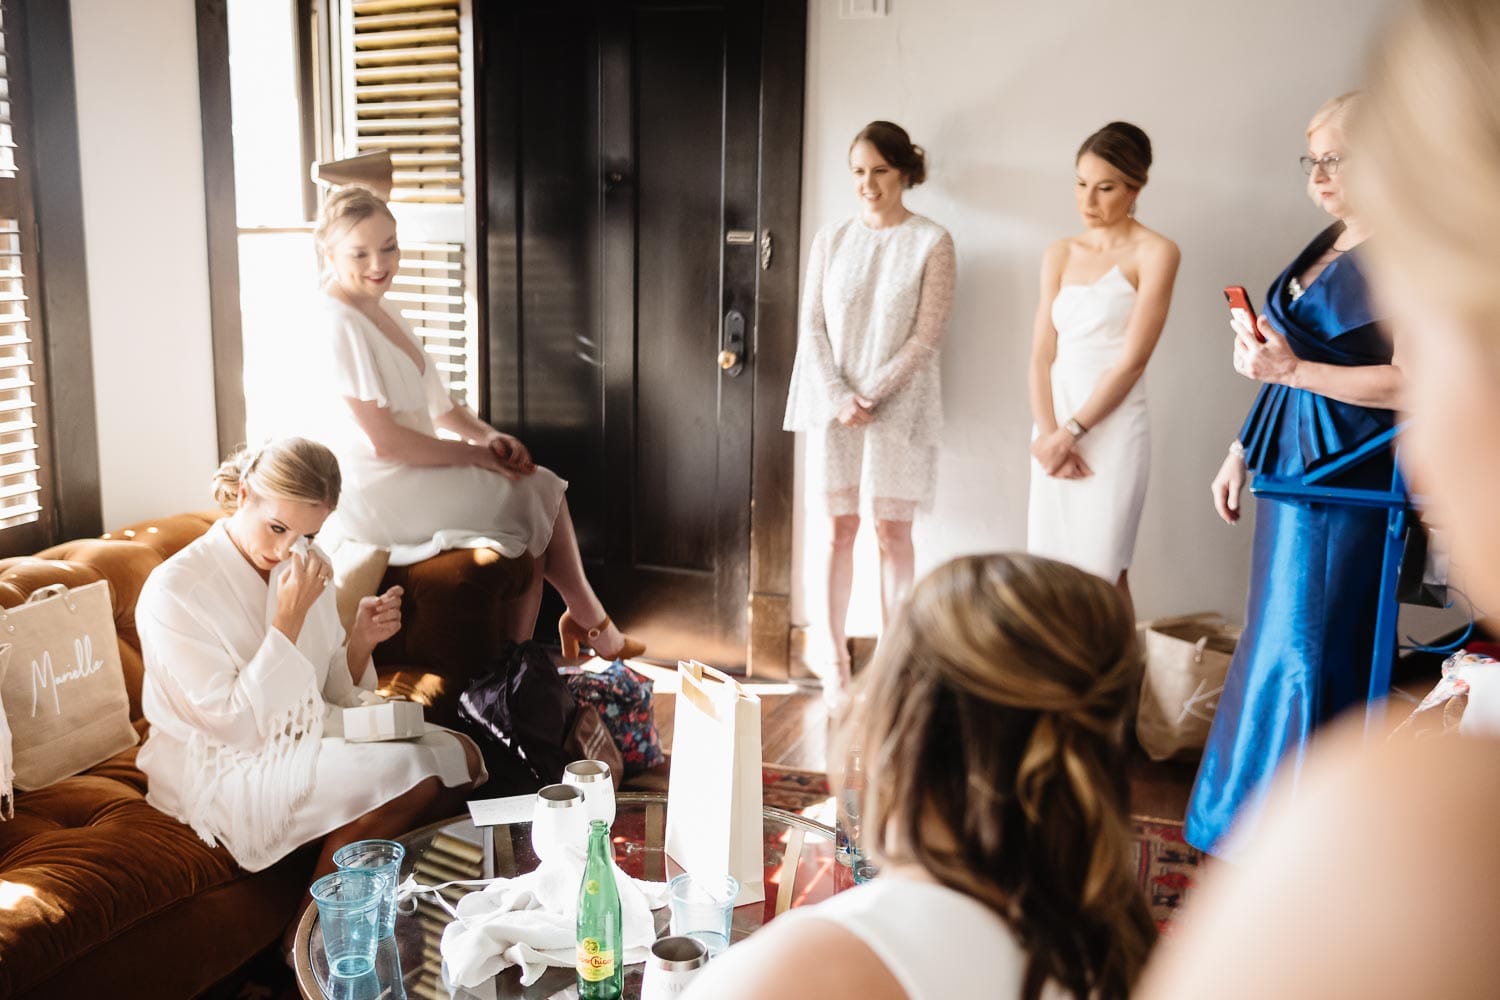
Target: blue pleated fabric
1315,571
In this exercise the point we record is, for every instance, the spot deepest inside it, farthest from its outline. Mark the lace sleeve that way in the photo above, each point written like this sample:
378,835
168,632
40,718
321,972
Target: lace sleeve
933,308
814,323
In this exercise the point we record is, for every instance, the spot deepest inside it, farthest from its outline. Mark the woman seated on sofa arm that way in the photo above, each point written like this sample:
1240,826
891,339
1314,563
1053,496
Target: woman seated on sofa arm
245,660
992,731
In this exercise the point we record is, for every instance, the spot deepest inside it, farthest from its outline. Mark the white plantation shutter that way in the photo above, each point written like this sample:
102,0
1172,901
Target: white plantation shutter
20,465
429,288
402,89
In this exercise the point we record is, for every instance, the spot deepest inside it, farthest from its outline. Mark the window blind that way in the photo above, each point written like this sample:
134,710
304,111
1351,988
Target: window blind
405,91
20,468
429,289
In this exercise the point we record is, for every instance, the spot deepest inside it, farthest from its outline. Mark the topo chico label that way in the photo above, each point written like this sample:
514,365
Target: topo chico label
594,964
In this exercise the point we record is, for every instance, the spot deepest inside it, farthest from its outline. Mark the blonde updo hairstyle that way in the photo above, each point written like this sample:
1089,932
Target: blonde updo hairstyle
289,469
992,729
1429,138
343,209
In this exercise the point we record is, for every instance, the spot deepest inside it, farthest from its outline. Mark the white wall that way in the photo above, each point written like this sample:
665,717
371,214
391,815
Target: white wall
1001,94
141,147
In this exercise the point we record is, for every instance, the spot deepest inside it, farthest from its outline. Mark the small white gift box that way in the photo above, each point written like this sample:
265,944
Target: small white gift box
383,720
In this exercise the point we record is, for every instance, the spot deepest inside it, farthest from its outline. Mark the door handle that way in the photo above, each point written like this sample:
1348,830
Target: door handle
732,354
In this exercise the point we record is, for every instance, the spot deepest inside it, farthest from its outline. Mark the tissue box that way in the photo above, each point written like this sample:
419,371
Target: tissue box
388,720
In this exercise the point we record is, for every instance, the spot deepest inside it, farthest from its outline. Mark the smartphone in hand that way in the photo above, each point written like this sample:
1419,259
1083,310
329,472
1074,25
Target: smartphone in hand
1241,309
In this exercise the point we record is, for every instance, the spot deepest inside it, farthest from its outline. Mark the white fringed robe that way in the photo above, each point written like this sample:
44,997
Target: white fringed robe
242,745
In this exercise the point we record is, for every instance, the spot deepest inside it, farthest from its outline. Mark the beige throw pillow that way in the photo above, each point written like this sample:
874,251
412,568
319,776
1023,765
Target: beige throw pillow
357,571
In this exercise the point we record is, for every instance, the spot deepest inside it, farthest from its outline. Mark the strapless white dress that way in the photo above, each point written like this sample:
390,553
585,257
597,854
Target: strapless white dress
1092,522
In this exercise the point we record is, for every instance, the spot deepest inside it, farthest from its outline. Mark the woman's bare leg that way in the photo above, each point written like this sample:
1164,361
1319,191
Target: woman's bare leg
897,566
562,565
845,528
520,614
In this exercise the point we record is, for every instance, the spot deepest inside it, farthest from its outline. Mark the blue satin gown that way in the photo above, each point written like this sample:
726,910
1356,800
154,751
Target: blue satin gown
1315,573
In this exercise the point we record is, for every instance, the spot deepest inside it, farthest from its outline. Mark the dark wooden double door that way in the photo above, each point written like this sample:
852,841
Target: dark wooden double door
623,161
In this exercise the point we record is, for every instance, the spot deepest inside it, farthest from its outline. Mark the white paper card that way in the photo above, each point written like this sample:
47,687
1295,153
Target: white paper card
502,811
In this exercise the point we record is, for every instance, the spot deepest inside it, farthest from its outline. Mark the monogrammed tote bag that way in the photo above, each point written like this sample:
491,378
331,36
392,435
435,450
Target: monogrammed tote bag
63,690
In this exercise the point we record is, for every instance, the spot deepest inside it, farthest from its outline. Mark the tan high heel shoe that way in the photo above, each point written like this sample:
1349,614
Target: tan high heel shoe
571,634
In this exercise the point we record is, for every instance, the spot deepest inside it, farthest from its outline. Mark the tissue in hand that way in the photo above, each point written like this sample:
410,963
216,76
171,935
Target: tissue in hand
379,719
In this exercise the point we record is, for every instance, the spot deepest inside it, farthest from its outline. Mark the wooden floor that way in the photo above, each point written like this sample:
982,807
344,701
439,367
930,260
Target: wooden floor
794,734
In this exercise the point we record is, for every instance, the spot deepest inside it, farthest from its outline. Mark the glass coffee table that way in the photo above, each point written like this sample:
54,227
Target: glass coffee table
800,869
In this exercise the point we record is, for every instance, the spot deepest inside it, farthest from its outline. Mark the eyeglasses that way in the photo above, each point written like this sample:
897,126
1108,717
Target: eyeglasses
1329,163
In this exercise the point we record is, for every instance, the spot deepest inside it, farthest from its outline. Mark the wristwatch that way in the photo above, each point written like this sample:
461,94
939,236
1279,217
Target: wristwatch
1074,428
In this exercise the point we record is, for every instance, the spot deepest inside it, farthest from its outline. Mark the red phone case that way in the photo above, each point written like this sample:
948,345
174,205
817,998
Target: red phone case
1239,300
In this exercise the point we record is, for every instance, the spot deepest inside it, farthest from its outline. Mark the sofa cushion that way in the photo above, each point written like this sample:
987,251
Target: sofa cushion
82,861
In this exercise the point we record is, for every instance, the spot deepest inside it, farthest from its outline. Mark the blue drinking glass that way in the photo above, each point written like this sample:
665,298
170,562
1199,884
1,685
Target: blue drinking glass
349,903
383,856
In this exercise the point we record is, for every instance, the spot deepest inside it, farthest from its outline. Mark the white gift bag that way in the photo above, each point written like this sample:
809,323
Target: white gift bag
714,823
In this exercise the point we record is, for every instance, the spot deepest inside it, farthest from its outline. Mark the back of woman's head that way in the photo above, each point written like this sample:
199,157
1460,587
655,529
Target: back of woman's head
1125,147
346,207
288,469
1428,131
992,729
894,145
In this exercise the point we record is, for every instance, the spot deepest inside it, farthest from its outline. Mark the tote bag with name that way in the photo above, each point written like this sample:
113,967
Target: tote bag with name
63,692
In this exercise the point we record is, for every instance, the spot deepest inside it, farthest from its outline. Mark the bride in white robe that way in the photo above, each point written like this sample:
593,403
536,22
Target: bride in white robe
248,669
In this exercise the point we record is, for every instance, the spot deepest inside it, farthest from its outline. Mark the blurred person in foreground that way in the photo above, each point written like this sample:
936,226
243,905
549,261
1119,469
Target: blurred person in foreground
1381,879
992,727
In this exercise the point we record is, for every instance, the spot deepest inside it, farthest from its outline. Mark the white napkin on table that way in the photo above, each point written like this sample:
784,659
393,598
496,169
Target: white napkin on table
530,921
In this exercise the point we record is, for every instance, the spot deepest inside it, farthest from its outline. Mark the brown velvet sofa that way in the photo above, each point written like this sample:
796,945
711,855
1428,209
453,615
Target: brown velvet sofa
101,894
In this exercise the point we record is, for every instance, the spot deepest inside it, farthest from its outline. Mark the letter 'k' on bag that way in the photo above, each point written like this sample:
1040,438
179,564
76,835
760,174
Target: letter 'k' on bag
1187,658
63,692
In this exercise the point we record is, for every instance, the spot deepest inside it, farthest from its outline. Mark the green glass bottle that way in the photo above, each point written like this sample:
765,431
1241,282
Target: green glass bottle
601,935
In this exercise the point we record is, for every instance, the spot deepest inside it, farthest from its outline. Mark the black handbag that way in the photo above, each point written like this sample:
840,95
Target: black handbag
521,703
1419,580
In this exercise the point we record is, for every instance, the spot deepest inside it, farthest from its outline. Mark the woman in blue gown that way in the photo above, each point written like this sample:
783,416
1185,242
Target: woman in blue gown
1329,386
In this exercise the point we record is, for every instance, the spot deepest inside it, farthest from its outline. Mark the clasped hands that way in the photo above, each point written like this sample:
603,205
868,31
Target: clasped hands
1055,451
1268,359
506,455
856,412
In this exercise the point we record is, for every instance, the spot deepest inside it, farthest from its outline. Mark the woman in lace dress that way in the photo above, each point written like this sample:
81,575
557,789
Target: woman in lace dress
1104,300
865,385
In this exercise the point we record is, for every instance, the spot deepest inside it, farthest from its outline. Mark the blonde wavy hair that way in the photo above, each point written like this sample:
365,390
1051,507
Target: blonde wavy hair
1429,137
289,469
348,206
992,728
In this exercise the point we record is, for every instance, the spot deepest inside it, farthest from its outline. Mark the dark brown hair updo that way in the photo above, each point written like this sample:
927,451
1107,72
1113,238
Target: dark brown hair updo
1125,147
289,469
896,148
992,729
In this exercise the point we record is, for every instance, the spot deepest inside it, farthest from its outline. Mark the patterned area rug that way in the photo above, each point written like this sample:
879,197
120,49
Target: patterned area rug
1167,864
792,789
